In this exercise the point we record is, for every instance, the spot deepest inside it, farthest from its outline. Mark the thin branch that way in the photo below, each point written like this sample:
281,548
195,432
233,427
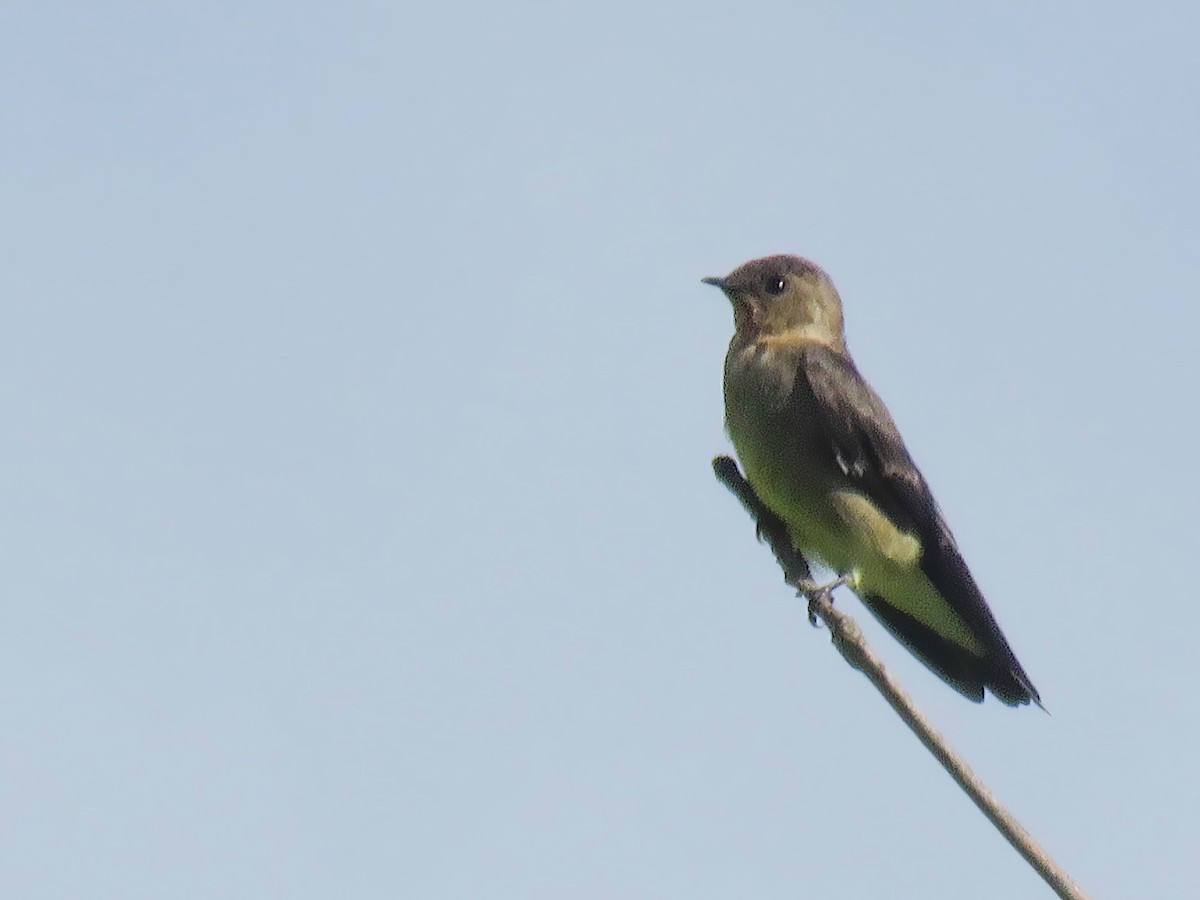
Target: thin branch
850,643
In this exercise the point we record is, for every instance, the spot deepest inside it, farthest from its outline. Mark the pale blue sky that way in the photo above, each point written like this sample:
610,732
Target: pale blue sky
358,536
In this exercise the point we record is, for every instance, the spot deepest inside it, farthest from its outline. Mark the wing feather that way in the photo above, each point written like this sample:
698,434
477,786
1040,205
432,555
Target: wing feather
870,451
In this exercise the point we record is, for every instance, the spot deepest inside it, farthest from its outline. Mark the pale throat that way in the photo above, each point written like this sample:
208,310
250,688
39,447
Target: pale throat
802,335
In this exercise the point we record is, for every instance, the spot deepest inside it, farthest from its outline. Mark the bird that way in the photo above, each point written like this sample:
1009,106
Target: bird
822,452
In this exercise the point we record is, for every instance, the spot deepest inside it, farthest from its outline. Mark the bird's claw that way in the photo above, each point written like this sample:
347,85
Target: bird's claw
818,591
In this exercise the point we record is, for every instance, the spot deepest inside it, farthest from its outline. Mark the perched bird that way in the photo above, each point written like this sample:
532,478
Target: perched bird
821,451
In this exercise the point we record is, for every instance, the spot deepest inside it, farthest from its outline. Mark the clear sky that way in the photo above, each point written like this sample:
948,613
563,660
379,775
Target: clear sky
358,537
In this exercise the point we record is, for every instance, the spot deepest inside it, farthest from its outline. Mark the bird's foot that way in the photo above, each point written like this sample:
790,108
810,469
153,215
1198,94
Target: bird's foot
823,591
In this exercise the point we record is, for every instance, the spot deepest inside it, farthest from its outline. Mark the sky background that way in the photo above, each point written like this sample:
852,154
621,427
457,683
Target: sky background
358,388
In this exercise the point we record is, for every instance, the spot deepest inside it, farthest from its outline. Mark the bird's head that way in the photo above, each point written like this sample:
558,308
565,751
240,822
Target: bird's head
780,295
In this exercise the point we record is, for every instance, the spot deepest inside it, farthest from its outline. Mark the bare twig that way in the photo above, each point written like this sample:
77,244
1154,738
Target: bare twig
850,643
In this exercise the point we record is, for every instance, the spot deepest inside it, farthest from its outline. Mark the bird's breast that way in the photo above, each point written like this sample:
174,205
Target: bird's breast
771,419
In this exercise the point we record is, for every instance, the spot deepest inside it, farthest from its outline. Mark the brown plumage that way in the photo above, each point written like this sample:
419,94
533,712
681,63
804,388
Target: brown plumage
821,450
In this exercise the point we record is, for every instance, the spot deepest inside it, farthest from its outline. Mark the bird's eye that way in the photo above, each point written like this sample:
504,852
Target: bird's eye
776,285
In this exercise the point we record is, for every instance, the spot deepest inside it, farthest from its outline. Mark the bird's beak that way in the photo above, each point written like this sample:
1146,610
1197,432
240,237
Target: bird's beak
715,281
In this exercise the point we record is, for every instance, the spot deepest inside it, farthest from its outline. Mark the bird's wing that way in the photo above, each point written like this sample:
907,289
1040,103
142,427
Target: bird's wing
867,444
869,450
